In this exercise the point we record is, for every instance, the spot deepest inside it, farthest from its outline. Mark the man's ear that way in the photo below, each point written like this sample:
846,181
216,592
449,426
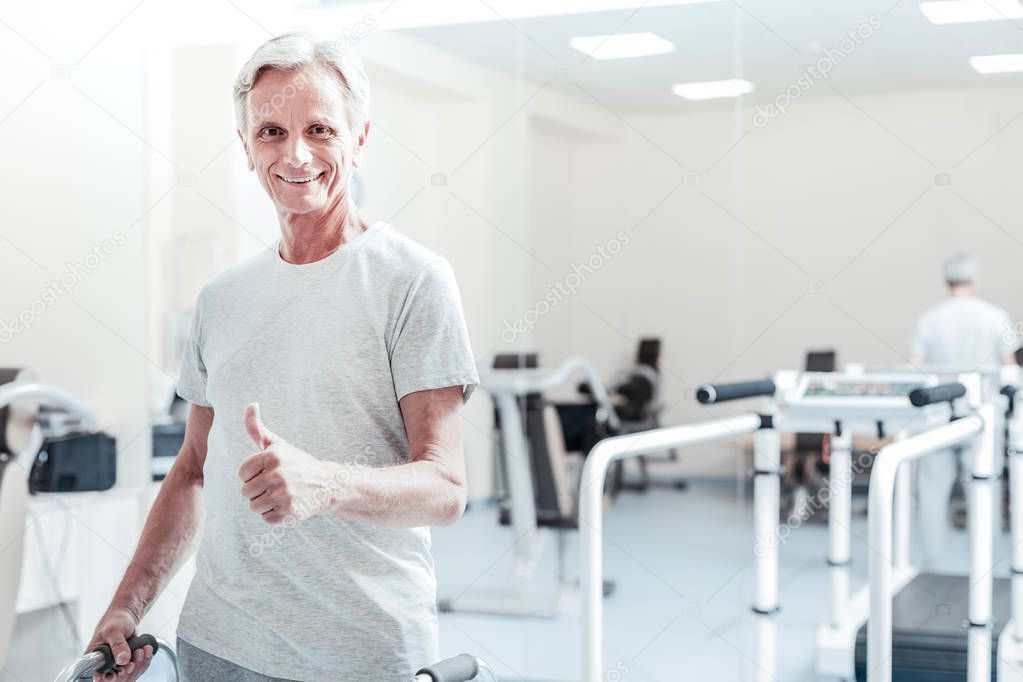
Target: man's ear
248,154
359,144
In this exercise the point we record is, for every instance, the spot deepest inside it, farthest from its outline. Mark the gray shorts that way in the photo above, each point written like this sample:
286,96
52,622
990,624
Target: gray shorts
195,665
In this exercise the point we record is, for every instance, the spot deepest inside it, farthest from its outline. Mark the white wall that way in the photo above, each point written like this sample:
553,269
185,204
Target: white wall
73,177
816,188
541,189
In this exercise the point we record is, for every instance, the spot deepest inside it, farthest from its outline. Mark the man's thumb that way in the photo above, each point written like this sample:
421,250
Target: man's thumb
254,425
121,652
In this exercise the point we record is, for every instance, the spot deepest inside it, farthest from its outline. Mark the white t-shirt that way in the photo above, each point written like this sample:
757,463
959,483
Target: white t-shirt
327,349
964,330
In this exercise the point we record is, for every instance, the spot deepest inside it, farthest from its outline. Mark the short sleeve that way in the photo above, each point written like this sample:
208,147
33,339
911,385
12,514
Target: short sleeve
430,345
1009,336
192,378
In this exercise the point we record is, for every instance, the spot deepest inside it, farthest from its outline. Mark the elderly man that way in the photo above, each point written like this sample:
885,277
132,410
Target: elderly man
348,339
961,331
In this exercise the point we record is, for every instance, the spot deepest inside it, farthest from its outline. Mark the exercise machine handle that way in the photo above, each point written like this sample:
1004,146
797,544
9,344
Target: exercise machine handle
1009,391
460,668
134,643
101,659
928,395
719,393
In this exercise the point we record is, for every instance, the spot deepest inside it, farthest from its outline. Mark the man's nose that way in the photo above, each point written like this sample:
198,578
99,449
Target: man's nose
297,152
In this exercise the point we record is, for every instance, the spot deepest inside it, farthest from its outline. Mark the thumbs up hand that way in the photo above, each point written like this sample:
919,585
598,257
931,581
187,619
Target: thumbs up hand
281,480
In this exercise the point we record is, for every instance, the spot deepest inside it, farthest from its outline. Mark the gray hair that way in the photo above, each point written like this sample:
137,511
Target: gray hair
293,52
961,269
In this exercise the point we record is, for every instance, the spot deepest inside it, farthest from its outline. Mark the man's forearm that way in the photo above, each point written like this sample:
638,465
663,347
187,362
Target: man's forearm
171,531
420,493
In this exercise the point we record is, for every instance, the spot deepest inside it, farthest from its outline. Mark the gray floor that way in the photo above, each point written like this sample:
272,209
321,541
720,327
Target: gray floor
682,565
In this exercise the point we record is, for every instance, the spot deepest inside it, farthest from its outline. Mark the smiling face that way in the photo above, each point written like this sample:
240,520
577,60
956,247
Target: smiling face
299,140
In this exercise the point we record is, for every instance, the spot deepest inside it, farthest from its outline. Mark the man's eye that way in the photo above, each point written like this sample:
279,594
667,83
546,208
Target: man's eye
271,131
321,132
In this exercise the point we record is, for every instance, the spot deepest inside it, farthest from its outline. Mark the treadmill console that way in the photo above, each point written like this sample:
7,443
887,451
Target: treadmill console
863,400
844,387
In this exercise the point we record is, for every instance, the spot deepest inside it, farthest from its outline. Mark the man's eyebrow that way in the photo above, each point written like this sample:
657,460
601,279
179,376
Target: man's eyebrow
322,118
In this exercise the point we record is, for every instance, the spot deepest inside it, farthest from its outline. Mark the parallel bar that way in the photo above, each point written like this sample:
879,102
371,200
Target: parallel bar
1016,510
1010,643
591,520
1015,453
981,530
880,517
766,502
978,654
767,649
840,523
903,513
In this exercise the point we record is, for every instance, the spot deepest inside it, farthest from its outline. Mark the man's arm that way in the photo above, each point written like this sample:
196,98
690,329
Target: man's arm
169,536
173,525
429,490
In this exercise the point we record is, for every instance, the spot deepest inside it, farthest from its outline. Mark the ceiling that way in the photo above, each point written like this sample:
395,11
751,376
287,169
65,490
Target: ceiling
768,42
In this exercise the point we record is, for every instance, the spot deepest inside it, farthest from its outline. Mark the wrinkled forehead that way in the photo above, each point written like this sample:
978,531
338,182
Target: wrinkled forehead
311,93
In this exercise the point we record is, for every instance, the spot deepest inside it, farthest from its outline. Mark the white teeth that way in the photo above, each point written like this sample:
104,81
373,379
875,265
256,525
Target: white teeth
300,180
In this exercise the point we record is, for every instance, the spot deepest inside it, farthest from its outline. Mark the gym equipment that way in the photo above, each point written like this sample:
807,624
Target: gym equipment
835,403
101,659
804,473
169,435
929,638
461,668
20,399
590,512
866,403
74,463
926,632
639,407
976,427
532,481
1010,643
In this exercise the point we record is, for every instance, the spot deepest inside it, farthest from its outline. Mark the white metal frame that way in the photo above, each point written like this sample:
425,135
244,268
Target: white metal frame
789,413
1010,643
14,493
507,386
591,519
978,427
836,637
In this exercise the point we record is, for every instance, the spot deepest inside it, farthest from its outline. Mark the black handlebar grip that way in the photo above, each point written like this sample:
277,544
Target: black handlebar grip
136,642
928,395
461,668
1010,394
719,393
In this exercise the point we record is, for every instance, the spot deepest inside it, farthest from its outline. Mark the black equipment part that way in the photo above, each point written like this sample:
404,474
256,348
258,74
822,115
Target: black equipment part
709,394
928,395
75,463
929,629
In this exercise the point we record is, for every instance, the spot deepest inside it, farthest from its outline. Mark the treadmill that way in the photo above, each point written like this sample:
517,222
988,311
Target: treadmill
929,632
930,619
